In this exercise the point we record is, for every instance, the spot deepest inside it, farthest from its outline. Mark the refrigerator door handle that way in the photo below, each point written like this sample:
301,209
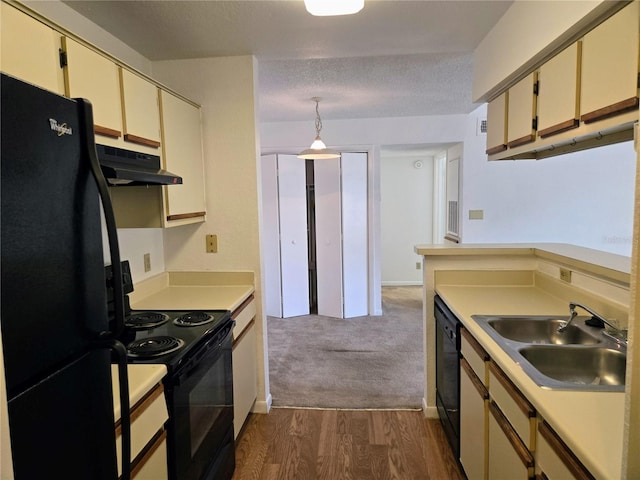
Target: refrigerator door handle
109,339
120,352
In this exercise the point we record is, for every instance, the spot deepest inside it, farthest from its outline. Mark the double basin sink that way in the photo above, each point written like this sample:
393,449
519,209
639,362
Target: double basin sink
579,358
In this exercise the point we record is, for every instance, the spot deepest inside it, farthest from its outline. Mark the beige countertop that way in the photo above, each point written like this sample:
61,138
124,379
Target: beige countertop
142,378
590,423
192,291
616,266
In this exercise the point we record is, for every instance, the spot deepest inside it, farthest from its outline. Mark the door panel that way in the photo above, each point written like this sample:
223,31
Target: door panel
328,237
354,234
293,236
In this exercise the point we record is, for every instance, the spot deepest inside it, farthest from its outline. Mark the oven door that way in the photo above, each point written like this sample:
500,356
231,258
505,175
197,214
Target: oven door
200,399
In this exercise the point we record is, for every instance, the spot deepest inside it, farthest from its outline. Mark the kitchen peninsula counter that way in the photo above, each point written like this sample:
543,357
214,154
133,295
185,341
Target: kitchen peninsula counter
193,291
527,279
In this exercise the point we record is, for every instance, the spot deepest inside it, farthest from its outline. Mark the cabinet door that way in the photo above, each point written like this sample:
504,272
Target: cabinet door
555,459
141,114
182,154
153,466
30,50
474,433
610,66
497,124
521,112
559,92
90,75
509,459
244,376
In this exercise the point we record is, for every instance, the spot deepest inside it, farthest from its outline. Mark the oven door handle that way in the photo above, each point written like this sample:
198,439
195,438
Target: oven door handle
212,347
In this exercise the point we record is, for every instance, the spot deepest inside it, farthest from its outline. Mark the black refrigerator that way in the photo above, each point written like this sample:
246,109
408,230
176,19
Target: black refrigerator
58,343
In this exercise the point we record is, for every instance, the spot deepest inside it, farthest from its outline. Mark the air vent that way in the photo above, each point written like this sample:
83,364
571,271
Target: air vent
452,218
481,128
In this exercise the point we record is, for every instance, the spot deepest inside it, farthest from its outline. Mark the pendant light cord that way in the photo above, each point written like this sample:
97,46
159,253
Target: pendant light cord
318,120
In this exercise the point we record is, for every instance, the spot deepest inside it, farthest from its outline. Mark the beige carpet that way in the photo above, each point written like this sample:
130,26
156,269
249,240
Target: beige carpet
362,362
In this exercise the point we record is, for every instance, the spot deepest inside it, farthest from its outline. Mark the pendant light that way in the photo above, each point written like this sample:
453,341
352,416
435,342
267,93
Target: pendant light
324,8
318,150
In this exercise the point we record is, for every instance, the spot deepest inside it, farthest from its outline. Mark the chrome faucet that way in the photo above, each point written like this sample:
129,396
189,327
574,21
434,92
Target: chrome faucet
619,334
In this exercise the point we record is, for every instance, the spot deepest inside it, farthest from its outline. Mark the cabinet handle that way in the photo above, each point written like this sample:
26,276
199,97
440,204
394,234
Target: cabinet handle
475,344
482,390
512,390
141,140
559,128
181,216
611,110
106,132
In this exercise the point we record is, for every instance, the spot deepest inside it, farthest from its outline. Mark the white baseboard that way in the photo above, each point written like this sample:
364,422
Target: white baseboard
263,406
429,412
402,284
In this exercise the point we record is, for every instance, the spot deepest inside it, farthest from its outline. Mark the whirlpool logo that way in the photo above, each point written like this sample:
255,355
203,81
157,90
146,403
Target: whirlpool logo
60,128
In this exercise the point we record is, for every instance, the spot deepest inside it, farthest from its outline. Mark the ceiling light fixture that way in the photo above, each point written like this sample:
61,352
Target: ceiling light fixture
325,8
318,150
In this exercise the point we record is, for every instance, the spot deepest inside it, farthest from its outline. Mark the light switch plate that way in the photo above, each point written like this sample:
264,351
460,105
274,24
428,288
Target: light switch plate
147,262
476,214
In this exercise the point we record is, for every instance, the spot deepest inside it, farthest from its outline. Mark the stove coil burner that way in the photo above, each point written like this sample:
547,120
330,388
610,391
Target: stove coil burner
144,320
193,319
154,346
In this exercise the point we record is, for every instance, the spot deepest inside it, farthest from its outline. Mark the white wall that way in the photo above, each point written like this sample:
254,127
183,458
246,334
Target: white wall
406,215
226,88
584,198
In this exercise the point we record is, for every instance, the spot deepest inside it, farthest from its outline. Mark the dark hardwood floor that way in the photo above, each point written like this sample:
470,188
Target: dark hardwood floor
297,444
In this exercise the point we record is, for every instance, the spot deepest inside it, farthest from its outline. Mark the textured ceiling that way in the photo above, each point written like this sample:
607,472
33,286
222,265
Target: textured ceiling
394,58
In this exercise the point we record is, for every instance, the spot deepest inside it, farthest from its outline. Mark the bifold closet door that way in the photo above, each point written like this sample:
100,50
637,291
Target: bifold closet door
328,207
284,236
355,272
341,235
271,236
294,256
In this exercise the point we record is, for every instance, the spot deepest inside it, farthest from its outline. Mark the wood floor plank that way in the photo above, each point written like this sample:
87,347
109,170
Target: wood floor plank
301,444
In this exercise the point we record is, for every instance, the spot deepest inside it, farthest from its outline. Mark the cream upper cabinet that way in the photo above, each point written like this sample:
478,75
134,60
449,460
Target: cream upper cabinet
141,114
93,76
610,66
559,92
182,153
521,111
497,124
30,50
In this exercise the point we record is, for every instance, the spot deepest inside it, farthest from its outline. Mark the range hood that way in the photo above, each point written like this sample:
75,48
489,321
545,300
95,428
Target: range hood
125,167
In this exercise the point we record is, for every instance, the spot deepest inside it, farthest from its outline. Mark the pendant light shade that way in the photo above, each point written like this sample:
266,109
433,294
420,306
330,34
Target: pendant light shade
318,150
324,8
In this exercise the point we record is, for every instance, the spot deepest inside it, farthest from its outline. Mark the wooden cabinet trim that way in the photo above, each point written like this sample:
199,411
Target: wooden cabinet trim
512,390
141,140
611,110
559,128
496,149
475,344
182,216
106,131
521,141
244,332
139,408
564,453
482,390
242,306
520,448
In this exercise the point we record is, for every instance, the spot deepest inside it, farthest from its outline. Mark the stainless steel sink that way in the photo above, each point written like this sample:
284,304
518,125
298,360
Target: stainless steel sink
579,358
541,330
583,366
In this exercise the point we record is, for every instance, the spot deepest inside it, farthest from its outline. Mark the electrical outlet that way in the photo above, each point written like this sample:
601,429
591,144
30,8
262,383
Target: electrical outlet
212,243
565,275
147,262
476,214
418,265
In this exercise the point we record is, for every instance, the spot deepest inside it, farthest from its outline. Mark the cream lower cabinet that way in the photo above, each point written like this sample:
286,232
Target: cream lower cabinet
554,460
148,437
244,362
474,398
29,50
509,458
